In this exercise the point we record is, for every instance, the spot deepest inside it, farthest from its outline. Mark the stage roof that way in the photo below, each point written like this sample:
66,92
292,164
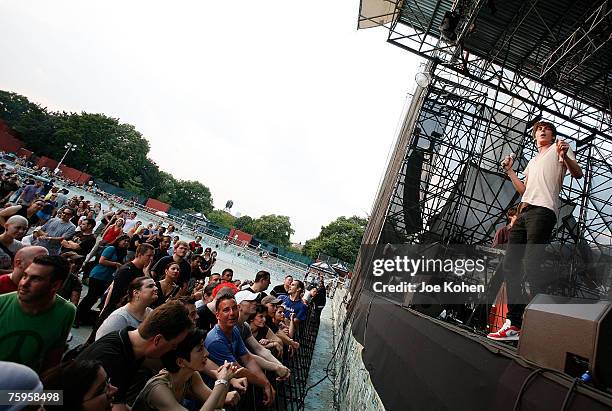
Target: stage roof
565,44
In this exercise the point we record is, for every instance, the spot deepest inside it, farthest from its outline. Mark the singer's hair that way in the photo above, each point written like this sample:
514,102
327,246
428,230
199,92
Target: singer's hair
544,123
511,212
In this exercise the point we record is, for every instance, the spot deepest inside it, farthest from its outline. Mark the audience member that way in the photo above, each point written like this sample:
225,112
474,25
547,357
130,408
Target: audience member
262,334
101,277
56,230
124,276
224,343
15,228
282,288
178,257
34,321
247,303
84,384
122,352
261,284
168,287
23,259
72,287
181,379
83,241
140,294
293,302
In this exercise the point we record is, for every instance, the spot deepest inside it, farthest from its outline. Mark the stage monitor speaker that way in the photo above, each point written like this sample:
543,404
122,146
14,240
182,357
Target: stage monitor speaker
570,335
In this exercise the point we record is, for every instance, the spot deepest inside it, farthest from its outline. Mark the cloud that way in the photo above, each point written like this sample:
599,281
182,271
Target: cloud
282,107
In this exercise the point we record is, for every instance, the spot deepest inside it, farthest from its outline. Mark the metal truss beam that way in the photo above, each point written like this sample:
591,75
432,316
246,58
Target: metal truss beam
581,44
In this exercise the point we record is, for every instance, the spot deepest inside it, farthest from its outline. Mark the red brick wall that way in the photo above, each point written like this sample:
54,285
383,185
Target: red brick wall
22,152
47,162
157,205
8,141
242,236
74,174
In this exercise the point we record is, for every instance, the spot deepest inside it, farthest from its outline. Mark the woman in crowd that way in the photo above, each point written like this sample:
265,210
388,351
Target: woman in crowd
141,293
113,231
85,386
168,287
101,276
15,228
82,210
97,209
207,262
181,380
262,333
29,212
286,326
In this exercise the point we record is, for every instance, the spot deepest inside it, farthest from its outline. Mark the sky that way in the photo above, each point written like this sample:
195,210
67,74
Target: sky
283,107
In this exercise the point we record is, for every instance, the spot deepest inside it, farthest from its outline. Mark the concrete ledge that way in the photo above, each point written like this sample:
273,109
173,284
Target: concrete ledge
352,384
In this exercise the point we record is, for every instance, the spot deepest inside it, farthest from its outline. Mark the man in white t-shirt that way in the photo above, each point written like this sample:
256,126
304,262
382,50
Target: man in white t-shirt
130,222
538,210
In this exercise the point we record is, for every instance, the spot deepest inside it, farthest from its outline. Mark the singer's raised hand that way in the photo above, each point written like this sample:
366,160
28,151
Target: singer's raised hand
507,163
562,148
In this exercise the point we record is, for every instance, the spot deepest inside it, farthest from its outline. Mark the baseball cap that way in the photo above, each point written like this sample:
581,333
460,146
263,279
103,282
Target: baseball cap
232,289
246,295
270,299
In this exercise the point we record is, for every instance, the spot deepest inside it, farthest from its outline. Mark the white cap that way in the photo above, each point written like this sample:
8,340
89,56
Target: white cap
245,295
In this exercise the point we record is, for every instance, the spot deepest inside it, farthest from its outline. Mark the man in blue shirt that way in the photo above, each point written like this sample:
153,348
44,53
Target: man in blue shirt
293,302
224,343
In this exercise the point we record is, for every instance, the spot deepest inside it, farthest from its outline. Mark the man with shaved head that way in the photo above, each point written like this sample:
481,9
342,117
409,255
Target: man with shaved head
15,228
23,259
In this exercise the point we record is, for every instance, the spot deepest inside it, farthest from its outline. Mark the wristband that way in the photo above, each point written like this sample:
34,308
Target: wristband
221,381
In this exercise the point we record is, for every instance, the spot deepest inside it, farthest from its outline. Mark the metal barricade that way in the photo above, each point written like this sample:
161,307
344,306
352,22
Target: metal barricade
290,394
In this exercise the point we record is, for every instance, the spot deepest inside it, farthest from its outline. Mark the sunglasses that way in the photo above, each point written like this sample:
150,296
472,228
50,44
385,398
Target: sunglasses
102,390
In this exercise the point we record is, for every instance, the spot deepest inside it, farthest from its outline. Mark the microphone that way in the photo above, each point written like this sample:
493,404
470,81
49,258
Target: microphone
560,156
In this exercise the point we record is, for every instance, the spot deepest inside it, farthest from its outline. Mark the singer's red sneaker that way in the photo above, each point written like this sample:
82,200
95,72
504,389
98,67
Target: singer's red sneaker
507,332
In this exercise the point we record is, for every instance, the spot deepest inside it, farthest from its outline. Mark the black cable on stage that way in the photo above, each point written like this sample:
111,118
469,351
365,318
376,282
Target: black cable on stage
566,400
524,386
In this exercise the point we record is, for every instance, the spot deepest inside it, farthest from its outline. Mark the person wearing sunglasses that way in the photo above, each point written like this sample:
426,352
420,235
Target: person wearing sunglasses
85,386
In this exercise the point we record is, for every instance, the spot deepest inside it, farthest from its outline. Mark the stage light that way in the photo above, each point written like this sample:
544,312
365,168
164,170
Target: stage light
422,79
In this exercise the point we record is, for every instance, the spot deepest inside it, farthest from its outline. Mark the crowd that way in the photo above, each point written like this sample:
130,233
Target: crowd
168,330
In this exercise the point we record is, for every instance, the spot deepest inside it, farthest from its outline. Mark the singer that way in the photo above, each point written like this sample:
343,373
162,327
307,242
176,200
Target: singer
537,218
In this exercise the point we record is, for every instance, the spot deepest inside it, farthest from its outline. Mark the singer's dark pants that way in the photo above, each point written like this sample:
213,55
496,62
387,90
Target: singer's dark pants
526,242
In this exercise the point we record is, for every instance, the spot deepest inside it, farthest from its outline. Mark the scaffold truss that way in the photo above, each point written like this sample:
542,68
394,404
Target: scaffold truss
495,69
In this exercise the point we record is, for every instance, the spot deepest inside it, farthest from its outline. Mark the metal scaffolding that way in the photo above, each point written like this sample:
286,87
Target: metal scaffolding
495,69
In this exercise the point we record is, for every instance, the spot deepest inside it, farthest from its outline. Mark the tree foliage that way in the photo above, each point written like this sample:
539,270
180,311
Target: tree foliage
221,218
105,148
245,223
274,228
192,195
341,239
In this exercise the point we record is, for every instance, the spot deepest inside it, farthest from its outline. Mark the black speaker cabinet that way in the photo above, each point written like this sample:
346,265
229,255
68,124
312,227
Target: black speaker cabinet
570,335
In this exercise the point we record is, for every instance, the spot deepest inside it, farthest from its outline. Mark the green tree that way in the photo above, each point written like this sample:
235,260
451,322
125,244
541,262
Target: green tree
192,195
105,148
32,122
221,218
245,223
341,239
274,228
